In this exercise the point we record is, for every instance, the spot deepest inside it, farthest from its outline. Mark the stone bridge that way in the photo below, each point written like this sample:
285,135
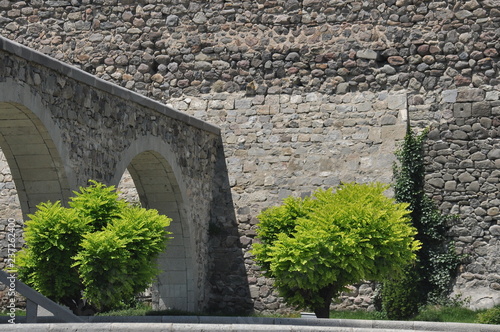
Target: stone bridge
60,127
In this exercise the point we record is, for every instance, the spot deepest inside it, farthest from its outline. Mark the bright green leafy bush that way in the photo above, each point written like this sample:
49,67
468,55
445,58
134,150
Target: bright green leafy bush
100,252
314,247
121,254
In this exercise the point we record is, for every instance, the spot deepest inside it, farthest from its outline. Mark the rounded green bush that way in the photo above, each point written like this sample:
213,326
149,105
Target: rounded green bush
314,247
95,255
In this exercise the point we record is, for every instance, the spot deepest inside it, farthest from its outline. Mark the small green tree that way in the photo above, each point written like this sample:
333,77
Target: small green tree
100,252
314,247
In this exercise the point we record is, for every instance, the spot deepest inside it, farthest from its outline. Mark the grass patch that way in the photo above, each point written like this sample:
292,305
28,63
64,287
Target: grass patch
18,313
453,314
358,314
171,312
139,310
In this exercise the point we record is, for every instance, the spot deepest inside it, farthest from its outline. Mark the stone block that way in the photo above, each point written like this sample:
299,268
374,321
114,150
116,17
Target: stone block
388,120
494,154
449,96
397,102
254,291
495,230
484,164
40,174
493,211
473,186
295,99
342,88
245,103
482,108
436,182
367,54
375,134
477,156
466,177
40,187
393,132
469,95
33,161
462,110
450,185
198,104
492,95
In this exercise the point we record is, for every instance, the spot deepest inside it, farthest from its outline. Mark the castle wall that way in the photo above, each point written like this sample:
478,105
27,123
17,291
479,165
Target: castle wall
308,94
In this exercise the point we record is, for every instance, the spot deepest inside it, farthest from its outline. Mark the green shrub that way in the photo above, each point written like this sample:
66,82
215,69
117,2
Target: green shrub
314,247
401,296
121,255
490,316
100,252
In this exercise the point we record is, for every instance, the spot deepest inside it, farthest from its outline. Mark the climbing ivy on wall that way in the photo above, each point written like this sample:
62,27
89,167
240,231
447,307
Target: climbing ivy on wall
430,280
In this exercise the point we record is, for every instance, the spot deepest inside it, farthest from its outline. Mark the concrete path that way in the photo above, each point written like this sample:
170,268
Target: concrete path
247,324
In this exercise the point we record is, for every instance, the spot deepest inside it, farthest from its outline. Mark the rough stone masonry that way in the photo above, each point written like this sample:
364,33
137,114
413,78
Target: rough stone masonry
58,132
309,93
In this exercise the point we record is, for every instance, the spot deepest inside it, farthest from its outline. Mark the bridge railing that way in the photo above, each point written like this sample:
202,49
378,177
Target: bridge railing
34,299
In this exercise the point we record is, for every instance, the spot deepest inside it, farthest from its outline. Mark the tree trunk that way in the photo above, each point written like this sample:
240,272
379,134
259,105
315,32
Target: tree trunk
323,311
79,307
326,293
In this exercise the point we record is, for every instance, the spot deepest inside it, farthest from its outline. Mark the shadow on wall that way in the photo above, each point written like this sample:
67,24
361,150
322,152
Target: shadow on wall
230,293
202,269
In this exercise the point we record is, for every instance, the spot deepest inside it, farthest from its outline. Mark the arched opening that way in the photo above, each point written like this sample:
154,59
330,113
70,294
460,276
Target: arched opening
157,188
34,162
31,171
9,201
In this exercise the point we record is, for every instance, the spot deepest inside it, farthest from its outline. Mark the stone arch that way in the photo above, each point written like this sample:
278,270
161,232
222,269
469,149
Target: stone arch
34,157
159,186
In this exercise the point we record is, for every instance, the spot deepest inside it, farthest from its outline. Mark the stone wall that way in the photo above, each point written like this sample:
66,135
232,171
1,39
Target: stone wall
307,93
60,131
463,158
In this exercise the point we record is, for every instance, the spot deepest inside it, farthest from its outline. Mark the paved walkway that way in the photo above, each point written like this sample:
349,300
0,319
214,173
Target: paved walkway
233,324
